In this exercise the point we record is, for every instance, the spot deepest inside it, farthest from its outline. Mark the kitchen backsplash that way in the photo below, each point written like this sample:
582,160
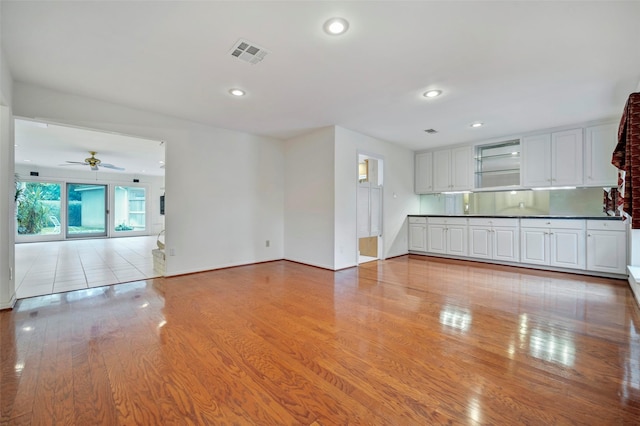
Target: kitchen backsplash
560,202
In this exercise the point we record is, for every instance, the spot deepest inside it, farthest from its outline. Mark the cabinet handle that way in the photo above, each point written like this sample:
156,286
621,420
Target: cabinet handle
550,233
588,235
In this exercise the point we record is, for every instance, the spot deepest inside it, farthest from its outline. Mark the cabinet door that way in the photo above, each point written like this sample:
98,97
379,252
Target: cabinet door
506,244
566,158
567,247
436,238
480,242
607,251
462,171
456,240
442,170
600,141
534,246
536,161
424,173
417,237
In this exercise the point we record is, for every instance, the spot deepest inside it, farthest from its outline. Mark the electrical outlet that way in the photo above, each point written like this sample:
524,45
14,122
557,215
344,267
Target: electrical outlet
267,243
172,252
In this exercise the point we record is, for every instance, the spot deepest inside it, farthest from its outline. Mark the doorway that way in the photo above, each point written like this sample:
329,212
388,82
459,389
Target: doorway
369,208
86,210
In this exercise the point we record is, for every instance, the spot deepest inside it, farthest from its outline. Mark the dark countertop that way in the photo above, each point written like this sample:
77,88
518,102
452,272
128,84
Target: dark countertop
520,217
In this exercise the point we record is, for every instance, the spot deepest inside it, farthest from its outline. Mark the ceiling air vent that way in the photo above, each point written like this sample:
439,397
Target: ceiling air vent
248,52
431,131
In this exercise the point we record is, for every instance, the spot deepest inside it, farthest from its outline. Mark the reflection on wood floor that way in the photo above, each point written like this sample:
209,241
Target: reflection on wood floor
408,340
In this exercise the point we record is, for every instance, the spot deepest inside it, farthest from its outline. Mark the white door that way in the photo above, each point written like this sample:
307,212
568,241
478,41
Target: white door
480,242
535,246
566,158
456,240
417,237
436,238
567,247
442,170
600,141
506,244
363,210
375,211
462,171
424,173
536,157
606,251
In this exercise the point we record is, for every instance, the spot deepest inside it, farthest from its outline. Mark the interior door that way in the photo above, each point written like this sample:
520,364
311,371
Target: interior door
86,210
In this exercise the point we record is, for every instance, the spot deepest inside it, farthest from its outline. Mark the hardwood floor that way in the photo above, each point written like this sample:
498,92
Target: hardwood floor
405,341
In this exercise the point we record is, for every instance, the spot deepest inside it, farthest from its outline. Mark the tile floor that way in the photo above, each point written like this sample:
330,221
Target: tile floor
59,266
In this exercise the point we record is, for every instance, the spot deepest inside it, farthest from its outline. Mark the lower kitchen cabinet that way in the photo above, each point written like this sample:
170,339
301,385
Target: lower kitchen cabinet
447,235
606,246
553,242
598,246
418,233
494,238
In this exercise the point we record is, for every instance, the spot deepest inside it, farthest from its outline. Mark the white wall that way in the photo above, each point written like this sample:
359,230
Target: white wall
7,206
399,200
309,198
224,189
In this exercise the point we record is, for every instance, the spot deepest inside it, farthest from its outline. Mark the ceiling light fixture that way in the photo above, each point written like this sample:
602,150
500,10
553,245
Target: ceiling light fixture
432,93
237,92
477,124
336,26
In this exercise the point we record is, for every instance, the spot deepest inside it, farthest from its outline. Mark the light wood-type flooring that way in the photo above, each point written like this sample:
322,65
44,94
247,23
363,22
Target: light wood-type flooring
406,341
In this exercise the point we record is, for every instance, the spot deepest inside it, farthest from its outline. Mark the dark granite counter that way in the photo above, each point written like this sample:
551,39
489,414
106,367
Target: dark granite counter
521,217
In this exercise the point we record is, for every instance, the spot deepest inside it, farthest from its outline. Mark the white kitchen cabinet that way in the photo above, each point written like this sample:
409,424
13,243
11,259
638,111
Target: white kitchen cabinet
447,235
494,238
423,173
453,169
606,246
600,141
553,242
554,159
417,233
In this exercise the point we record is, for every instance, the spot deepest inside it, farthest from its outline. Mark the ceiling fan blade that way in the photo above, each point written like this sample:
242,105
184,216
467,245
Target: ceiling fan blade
77,162
111,166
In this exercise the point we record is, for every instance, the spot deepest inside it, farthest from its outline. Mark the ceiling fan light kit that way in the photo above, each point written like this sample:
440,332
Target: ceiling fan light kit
94,162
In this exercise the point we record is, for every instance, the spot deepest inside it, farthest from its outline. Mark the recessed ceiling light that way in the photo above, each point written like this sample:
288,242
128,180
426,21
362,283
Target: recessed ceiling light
237,92
477,124
432,93
161,162
336,26
28,161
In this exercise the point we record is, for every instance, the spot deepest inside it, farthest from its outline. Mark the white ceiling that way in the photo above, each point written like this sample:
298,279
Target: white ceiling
51,145
516,66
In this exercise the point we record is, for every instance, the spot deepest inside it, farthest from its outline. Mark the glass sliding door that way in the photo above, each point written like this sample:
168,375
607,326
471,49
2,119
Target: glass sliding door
38,211
129,209
86,210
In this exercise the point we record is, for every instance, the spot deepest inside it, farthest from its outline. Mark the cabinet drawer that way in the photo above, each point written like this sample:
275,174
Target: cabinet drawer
606,225
553,223
422,220
492,221
448,220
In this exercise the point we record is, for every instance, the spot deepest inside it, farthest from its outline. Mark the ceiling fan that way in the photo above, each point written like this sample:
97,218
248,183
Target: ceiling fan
93,162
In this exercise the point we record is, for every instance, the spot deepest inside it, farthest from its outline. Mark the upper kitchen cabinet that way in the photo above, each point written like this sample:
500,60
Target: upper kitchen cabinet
453,169
423,173
498,165
554,159
600,141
